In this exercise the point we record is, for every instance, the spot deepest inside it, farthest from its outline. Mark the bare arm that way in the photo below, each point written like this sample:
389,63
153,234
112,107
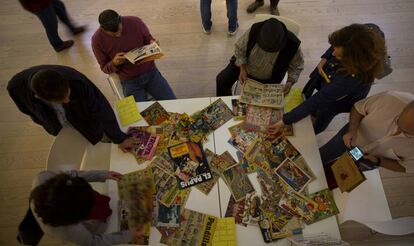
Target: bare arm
354,121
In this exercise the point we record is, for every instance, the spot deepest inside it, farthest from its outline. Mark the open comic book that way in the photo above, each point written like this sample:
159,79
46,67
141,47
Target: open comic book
265,95
145,53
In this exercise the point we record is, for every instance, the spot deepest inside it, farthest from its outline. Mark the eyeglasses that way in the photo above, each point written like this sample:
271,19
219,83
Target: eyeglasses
404,132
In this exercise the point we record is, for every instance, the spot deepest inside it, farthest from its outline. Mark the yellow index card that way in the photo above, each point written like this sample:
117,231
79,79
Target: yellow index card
225,234
127,111
293,99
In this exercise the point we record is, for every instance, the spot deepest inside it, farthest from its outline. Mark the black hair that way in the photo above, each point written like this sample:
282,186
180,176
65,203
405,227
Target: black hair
63,200
109,20
49,85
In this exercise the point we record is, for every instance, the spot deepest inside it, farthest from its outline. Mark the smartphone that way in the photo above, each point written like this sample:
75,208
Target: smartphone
356,153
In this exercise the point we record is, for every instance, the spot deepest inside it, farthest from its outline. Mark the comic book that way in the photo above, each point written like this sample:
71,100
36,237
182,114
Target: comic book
256,157
191,167
271,186
292,175
252,209
326,205
259,118
144,53
155,114
240,138
299,205
272,224
168,216
178,128
280,148
217,114
196,229
237,181
207,186
248,167
236,210
146,143
346,173
200,129
265,95
165,183
137,189
239,109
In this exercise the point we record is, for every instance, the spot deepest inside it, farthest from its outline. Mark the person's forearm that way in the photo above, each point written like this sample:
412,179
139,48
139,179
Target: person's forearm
354,120
392,165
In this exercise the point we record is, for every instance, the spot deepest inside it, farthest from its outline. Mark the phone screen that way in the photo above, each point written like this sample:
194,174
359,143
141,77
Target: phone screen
356,153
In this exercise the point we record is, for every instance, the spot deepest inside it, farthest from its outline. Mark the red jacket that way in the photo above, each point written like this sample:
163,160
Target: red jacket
35,5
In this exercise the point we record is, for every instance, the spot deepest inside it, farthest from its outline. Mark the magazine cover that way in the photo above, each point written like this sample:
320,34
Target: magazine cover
168,216
252,209
248,167
155,114
237,181
346,173
196,229
207,186
256,157
191,167
240,138
272,222
292,175
239,109
265,95
236,210
270,184
146,143
299,205
217,114
326,205
259,118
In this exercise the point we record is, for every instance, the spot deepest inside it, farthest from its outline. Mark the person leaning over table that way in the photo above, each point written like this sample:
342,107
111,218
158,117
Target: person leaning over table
57,96
67,208
264,53
351,64
114,38
383,126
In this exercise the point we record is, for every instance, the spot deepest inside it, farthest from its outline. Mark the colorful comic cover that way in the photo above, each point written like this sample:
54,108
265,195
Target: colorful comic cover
256,157
165,183
326,205
240,138
259,118
248,167
239,109
207,186
146,143
237,181
191,167
280,148
288,130
236,210
196,229
137,189
272,223
292,175
200,129
222,162
252,213
155,114
299,205
217,114
270,184
168,216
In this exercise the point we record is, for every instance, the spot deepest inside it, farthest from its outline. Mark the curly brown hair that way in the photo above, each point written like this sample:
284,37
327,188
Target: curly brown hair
364,51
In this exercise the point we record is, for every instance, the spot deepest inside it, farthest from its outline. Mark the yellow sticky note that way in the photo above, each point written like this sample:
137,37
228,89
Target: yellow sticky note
225,234
127,111
293,99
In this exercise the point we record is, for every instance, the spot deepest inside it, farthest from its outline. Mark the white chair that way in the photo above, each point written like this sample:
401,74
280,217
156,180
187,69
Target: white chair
367,204
116,86
290,24
71,151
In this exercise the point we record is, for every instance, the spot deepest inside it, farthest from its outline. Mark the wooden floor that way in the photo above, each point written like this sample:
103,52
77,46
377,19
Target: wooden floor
190,65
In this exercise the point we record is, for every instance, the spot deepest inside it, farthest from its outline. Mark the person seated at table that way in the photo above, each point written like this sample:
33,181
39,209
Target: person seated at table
114,38
382,125
57,96
349,66
264,53
67,208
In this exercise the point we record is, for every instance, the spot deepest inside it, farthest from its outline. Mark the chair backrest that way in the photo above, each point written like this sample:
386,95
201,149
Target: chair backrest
116,86
290,24
67,151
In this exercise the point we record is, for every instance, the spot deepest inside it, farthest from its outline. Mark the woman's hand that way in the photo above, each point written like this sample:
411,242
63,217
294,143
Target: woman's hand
114,176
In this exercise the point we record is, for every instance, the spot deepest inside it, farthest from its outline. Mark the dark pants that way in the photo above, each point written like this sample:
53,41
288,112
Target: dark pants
325,114
48,16
273,3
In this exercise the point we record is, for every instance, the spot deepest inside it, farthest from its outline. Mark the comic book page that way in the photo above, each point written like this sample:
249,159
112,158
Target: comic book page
259,118
146,143
240,138
256,156
148,52
238,109
265,95
217,114
299,205
191,167
272,223
165,183
271,186
137,189
168,216
207,186
155,114
196,229
237,181
252,211
292,175
236,210
248,167
326,205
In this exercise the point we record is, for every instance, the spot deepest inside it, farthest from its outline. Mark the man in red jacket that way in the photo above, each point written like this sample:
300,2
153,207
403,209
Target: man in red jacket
48,11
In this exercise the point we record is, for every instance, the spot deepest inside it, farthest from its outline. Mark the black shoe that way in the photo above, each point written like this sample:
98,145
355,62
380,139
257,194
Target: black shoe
274,10
65,45
78,30
252,7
